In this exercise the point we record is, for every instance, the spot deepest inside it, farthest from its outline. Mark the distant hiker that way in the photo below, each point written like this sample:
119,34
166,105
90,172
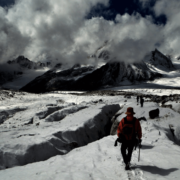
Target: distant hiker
137,99
129,130
141,101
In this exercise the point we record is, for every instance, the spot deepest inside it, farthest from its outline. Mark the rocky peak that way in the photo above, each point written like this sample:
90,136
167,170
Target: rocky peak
160,60
26,63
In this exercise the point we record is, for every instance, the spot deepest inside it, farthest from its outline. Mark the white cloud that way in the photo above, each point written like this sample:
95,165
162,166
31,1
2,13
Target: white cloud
131,37
12,43
58,30
51,25
171,30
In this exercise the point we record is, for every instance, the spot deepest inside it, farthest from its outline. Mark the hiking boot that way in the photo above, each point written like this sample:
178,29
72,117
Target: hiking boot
127,167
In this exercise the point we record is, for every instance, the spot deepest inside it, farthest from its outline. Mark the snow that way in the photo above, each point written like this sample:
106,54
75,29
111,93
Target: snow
62,136
66,135
49,128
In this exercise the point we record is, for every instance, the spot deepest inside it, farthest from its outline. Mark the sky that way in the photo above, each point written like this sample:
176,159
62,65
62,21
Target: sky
71,31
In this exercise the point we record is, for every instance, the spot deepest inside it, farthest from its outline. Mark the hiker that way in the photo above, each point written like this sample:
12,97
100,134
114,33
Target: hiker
141,101
129,130
137,99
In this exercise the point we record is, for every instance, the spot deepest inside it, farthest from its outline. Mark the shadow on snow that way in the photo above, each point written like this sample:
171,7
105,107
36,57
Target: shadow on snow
157,170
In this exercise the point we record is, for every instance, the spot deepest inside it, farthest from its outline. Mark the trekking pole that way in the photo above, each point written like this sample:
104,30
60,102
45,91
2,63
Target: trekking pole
139,149
139,154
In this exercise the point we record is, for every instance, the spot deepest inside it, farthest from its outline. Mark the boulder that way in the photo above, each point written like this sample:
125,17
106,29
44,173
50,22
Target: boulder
154,113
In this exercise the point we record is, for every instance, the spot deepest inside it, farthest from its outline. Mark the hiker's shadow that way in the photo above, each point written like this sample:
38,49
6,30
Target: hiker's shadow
146,146
157,170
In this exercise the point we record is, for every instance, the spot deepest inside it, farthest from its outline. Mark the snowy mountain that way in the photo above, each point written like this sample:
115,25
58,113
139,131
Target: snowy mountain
19,67
26,63
159,61
52,79
110,74
88,78
60,77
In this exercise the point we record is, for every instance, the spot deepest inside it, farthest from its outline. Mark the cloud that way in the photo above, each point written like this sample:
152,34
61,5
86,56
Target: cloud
134,37
130,37
52,27
58,31
171,30
12,43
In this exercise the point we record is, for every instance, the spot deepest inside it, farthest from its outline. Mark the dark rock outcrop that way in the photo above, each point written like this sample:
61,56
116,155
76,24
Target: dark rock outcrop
154,113
160,61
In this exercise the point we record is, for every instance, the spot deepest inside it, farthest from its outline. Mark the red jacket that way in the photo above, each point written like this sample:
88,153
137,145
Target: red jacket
137,127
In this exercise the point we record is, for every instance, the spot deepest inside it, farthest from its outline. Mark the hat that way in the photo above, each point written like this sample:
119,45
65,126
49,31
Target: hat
130,111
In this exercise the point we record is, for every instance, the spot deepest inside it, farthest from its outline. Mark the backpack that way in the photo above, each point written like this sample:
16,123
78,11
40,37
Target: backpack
129,129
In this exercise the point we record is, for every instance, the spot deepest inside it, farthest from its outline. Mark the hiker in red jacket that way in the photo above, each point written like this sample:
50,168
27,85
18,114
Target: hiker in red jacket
129,130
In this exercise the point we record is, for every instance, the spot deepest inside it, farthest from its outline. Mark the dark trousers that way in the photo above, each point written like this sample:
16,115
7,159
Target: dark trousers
126,150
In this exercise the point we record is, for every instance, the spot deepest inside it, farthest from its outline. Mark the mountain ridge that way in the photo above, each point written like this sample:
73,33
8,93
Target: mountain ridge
111,74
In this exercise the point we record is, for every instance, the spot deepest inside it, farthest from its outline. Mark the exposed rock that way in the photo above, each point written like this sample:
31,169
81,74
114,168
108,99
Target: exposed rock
160,61
64,80
154,113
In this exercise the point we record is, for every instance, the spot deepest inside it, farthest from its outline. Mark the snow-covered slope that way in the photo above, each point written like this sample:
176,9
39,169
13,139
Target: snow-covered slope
45,133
